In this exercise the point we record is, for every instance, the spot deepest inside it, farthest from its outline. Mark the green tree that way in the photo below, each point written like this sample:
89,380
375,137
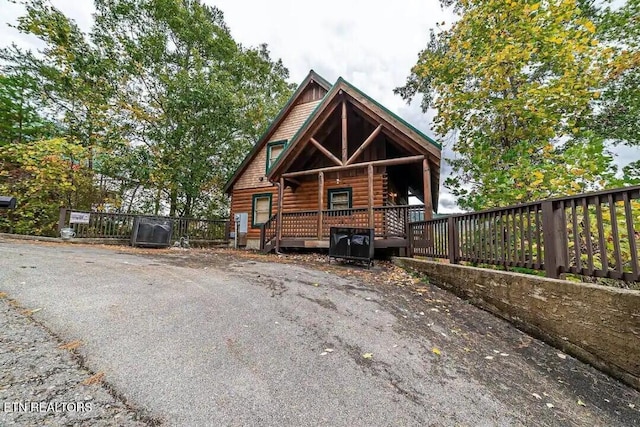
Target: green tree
43,176
619,107
164,99
513,81
194,97
73,78
19,104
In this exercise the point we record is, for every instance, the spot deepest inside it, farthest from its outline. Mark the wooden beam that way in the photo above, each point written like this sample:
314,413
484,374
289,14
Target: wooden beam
326,152
364,145
279,220
426,177
370,202
294,181
386,162
320,202
344,132
295,147
379,116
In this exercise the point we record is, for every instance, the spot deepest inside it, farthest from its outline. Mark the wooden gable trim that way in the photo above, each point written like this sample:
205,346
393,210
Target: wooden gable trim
400,130
311,78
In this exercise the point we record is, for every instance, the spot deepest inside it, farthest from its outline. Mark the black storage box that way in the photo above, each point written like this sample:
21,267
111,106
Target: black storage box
352,244
7,202
152,232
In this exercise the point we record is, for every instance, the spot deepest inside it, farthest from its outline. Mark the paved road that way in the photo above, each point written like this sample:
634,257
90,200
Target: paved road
233,341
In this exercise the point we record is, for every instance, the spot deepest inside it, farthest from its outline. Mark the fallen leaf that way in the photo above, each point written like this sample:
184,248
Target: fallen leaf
324,353
94,379
70,345
367,356
489,357
328,350
562,356
525,343
581,403
496,351
3,294
550,405
436,351
537,396
504,354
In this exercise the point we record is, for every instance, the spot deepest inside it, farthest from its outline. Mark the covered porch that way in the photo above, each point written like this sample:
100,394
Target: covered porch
310,229
352,164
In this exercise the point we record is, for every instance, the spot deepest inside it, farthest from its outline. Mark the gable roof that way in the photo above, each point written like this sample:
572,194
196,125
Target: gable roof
427,143
311,78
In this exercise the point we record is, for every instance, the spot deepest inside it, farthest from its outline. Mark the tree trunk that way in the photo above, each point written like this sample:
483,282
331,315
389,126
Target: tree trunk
173,197
187,206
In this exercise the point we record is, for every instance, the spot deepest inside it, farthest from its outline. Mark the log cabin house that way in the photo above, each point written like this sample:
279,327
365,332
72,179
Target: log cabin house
334,157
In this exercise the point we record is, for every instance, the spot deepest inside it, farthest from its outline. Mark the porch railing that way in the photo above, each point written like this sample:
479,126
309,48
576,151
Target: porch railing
593,234
268,233
388,221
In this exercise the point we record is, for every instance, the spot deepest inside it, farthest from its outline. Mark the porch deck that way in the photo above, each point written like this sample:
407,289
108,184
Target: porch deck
310,229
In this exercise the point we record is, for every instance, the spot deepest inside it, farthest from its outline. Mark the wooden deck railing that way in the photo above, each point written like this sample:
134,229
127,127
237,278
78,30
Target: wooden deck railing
389,221
268,233
593,234
120,225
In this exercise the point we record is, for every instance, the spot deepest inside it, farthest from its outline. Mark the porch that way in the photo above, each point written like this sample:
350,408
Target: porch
310,229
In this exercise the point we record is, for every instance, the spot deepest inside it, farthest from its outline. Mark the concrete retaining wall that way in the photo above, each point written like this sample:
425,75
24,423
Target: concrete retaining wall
597,324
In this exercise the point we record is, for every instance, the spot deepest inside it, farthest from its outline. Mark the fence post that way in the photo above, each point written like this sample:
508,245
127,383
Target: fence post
554,235
62,219
409,240
262,236
452,240
227,230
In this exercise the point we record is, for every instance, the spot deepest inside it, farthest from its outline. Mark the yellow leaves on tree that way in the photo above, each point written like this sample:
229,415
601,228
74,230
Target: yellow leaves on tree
514,81
43,176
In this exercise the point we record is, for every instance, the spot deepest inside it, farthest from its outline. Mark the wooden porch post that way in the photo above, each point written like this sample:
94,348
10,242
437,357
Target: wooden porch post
344,133
320,202
426,177
370,204
279,220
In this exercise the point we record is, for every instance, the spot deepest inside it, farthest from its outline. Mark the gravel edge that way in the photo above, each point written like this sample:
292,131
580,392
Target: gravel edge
45,380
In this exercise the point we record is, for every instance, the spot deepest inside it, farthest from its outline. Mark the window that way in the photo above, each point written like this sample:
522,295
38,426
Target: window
274,149
339,198
261,208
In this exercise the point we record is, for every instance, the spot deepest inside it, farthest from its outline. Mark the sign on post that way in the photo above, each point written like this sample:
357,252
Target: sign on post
79,218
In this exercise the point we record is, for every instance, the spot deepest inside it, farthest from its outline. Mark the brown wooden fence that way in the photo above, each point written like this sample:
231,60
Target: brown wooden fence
594,234
119,226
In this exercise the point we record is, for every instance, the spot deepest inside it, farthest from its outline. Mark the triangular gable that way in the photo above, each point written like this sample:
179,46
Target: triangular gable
425,144
311,79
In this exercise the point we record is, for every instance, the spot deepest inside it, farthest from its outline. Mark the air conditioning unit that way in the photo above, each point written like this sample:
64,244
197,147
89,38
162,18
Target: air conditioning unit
152,232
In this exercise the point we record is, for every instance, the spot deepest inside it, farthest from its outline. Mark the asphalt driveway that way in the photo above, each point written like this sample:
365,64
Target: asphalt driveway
212,338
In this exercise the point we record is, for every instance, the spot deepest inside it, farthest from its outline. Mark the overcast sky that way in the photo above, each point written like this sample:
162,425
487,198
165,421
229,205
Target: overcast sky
372,44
